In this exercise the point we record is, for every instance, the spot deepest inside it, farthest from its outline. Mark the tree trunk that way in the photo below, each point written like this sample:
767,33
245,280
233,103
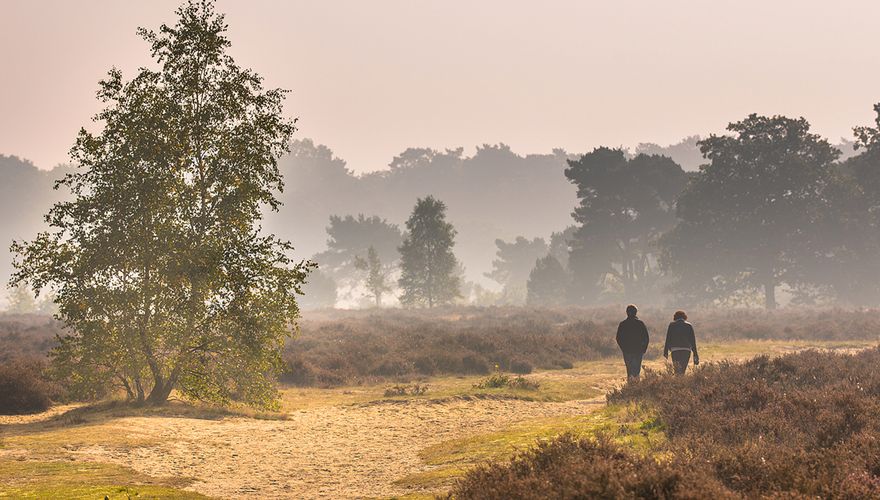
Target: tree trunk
770,294
159,394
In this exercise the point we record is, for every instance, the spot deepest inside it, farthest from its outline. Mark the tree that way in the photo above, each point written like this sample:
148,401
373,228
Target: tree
159,265
427,263
513,263
548,283
377,277
351,236
848,267
625,205
748,218
560,244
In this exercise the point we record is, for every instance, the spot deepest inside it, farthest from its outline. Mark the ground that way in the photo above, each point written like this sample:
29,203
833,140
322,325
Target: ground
334,443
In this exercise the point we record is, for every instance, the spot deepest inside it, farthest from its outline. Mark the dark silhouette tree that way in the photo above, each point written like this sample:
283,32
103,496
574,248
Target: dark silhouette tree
512,265
429,269
748,220
548,283
560,244
377,277
625,205
161,272
847,265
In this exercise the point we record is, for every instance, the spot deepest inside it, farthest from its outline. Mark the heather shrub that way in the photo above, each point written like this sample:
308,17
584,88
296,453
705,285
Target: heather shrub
569,468
23,388
345,347
799,426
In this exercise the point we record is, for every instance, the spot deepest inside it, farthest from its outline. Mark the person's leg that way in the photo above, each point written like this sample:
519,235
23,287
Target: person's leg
627,360
680,361
633,363
637,364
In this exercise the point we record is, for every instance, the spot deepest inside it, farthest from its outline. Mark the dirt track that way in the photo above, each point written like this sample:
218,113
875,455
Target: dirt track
331,451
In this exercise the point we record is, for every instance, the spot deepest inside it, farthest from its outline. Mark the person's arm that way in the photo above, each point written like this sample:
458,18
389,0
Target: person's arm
666,345
645,339
619,335
694,345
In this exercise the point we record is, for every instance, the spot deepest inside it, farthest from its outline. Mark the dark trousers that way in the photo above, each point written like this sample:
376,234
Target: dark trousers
680,361
633,362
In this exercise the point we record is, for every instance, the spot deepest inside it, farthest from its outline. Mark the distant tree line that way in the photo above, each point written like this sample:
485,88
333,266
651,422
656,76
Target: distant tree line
773,209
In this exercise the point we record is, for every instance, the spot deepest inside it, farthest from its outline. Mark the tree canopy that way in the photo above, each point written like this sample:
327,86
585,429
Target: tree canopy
429,269
748,219
158,263
625,205
512,264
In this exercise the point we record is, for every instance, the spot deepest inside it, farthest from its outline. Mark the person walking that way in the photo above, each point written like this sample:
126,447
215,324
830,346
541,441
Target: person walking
680,341
632,338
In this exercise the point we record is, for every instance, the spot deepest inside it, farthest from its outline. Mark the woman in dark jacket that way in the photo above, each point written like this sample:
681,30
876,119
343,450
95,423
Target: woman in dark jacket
681,342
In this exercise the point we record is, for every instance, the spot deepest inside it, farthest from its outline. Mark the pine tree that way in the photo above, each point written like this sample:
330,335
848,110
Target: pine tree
427,263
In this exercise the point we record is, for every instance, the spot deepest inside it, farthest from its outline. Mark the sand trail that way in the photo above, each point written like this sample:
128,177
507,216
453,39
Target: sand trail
349,451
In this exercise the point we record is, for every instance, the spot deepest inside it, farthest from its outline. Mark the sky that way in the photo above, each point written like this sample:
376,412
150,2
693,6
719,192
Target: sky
369,79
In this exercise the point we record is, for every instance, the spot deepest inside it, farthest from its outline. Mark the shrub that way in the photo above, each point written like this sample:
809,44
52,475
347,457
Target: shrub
23,388
568,468
499,380
799,426
521,367
349,347
406,390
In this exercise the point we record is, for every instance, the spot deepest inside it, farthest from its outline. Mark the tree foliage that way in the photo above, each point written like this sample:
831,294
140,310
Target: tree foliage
548,283
428,266
625,205
512,265
161,271
748,220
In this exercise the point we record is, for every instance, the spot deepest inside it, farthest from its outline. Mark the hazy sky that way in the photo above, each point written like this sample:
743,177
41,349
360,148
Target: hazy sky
372,78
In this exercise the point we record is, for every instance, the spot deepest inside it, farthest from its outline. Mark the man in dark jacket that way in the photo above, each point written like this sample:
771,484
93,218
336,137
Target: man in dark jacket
681,342
632,337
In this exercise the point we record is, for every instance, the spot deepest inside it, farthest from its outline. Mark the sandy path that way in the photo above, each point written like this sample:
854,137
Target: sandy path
326,452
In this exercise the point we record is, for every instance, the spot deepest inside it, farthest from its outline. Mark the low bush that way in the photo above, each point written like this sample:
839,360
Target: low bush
582,468
406,390
27,335
500,380
802,425
404,345
350,347
23,388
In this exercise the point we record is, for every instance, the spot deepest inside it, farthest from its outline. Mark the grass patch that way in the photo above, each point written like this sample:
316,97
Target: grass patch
73,480
634,426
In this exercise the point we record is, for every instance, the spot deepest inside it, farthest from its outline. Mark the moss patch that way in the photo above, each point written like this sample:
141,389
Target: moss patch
77,480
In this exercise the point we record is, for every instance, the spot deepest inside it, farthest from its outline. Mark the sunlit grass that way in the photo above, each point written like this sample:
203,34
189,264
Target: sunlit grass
631,425
84,480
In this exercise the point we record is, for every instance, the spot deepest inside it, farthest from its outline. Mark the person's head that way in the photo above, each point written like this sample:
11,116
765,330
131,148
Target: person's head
631,311
679,315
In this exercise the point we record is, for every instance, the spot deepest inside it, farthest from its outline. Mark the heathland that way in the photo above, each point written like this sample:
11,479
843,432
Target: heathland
421,402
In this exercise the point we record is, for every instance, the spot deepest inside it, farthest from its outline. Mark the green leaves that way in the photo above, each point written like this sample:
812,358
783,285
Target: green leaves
161,272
